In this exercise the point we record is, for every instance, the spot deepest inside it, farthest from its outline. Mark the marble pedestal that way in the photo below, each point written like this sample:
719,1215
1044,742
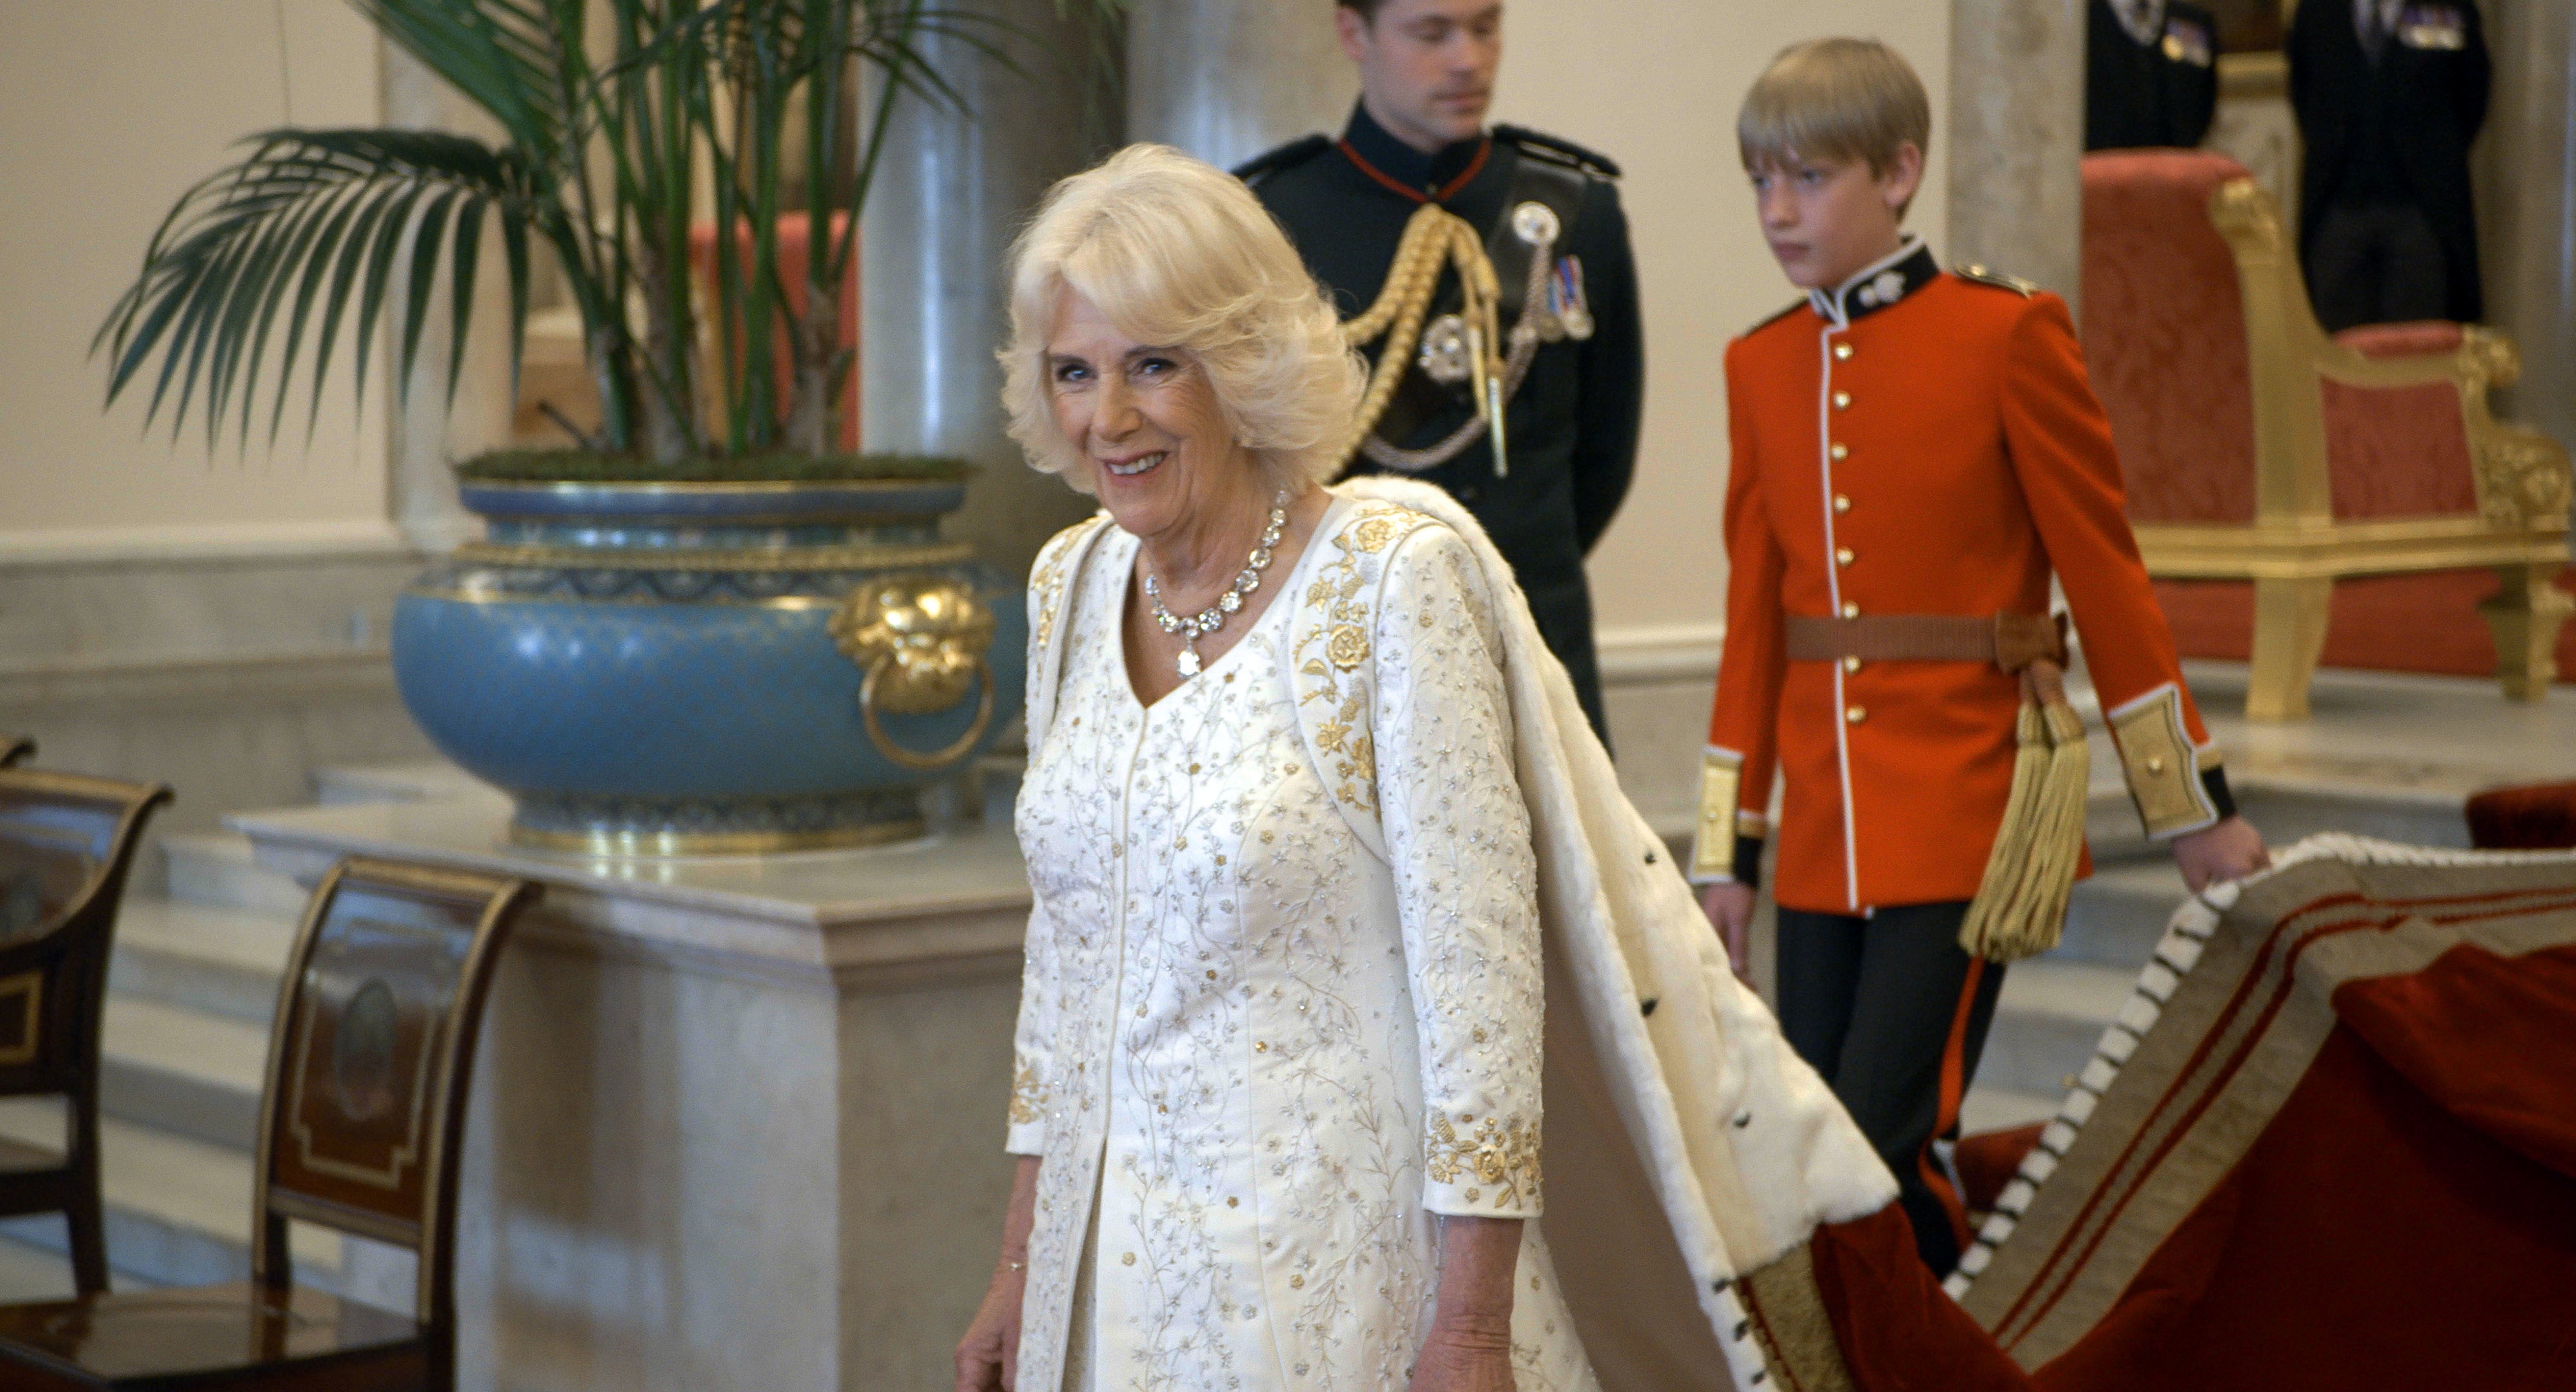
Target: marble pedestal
735,1123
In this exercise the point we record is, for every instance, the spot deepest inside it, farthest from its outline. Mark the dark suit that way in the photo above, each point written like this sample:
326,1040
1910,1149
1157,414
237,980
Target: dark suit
1572,428
2144,95
2388,161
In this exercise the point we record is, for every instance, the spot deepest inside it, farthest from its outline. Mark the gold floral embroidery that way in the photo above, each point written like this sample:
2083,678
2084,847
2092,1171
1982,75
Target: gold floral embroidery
1028,1096
1047,581
1339,643
1348,647
1494,1153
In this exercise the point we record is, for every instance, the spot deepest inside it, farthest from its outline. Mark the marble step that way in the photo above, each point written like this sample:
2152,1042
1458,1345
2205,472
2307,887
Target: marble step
182,1072
215,869
2002,1109
223,961
2116,918
416,781
2289,807
29,1274
178,1210
2047,1021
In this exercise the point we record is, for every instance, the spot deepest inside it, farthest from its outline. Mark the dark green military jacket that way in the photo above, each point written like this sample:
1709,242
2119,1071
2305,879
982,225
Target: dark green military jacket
1571,431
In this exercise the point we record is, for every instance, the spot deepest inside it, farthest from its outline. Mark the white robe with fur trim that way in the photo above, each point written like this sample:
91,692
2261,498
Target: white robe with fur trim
1685,1146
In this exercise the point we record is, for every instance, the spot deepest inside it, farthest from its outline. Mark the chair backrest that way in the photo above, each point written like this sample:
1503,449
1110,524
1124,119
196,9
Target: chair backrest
2165,334
363,1120
67,842
15,749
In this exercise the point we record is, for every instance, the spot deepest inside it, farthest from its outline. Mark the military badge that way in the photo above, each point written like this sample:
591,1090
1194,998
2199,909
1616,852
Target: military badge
1447,355
2436,27
1536,224
1566,304
2188,41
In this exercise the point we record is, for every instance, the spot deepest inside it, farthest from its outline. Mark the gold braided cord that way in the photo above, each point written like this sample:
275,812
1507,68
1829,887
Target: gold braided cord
1525,339
1434,240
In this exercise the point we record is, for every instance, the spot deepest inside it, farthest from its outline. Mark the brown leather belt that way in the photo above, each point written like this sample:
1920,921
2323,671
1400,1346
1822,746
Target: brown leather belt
2010,641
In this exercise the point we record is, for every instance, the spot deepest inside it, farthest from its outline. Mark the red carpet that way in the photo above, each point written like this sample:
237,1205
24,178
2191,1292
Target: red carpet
2392,623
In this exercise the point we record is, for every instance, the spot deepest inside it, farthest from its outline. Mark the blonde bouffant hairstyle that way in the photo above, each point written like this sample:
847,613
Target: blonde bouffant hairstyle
1179,254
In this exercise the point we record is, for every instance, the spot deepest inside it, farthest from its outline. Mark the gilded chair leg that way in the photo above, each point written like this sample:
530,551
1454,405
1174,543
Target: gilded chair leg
2525,616
2289,632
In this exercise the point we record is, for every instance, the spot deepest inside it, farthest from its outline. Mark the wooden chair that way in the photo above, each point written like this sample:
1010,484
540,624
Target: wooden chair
361,1129
15,749
2257,448
66,845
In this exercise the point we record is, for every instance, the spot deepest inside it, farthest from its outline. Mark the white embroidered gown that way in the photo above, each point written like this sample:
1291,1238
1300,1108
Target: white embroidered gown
1257,1060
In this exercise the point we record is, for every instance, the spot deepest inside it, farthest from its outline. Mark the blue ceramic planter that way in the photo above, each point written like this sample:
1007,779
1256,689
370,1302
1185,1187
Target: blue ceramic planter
711,669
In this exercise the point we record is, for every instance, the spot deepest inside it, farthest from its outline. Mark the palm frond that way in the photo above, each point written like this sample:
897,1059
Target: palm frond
606,109
501,54
327,214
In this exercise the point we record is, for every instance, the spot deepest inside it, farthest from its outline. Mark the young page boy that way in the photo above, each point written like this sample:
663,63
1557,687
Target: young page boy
1915,452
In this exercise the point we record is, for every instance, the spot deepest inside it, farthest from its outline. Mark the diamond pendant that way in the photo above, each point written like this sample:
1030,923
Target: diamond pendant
1189,662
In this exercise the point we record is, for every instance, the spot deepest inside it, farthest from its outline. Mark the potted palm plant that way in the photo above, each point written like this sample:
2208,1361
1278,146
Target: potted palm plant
708,625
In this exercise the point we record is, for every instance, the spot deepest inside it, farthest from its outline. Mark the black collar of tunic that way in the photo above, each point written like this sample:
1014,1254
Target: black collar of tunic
1879,284
1424,178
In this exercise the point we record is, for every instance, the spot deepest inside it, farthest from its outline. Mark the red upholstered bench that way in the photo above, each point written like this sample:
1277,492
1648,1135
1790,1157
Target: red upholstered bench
2539,817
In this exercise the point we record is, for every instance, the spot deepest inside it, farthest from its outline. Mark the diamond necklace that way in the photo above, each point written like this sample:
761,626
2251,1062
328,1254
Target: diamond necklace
1213,617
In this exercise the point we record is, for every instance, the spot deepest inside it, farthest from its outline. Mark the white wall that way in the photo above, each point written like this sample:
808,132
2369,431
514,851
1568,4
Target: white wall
1655,86
108,110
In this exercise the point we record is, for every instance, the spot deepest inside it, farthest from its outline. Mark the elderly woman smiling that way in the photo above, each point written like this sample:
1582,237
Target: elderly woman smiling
1277,1104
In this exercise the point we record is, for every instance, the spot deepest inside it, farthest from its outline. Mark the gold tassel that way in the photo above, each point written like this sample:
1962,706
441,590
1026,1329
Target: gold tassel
2020,908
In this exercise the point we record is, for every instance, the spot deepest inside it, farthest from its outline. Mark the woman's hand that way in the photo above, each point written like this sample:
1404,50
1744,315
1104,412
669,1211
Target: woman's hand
1465,1355
1470,1345
988,1358
1730,911
2230,850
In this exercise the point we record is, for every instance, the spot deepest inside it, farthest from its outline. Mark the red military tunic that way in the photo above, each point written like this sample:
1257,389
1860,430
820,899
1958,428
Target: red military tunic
1921,442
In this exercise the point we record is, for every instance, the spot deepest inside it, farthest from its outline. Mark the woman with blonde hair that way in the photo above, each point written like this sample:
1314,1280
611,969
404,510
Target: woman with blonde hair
1335,896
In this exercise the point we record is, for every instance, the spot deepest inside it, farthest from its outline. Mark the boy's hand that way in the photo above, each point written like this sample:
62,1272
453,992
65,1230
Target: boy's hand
1730,911
2231,850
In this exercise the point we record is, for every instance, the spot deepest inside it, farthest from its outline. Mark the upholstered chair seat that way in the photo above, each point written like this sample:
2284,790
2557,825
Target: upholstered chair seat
2257,448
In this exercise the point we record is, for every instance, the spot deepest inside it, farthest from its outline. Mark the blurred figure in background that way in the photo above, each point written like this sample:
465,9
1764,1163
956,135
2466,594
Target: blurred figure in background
2150,74
2388,94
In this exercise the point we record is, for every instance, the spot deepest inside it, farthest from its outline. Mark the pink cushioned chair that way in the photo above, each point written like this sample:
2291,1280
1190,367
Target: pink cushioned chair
2257,448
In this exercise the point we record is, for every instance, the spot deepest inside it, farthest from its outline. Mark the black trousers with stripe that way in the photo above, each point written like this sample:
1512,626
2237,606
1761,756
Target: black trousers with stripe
1893,1013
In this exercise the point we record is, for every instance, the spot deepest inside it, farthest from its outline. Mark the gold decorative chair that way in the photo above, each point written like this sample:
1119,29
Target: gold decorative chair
2255,447
15,749
362,1127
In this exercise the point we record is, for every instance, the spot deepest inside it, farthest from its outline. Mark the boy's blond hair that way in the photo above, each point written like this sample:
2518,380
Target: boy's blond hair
1834,100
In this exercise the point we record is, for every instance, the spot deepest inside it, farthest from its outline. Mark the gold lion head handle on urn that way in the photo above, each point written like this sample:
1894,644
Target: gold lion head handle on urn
923,643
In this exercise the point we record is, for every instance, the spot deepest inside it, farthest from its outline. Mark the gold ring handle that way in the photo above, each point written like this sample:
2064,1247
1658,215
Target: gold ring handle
909,759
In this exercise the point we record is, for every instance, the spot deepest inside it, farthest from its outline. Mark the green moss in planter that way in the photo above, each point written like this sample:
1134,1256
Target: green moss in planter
582,466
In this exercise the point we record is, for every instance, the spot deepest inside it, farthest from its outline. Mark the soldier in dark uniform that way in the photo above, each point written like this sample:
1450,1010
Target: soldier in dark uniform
2388,94
1570,430
2150,74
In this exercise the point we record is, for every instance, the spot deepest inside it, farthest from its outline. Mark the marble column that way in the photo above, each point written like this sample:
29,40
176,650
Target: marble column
1228,79
2016,131
953,188
2527,205
430,434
